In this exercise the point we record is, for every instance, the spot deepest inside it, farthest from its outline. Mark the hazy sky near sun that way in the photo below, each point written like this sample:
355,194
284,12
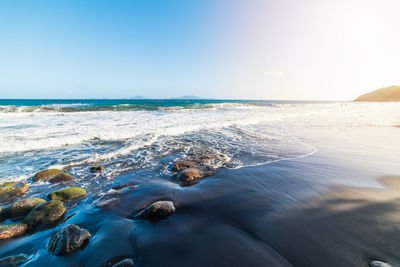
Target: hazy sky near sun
249,49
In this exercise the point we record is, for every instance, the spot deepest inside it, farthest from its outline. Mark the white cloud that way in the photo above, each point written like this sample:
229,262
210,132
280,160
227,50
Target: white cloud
274,73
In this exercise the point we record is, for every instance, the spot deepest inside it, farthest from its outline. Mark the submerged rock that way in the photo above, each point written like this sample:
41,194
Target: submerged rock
124,263
11,230
119,187
119,261
15,260
156,211
52,176
97,169
22,207
11,190
67,194
379,264
44,213
67,239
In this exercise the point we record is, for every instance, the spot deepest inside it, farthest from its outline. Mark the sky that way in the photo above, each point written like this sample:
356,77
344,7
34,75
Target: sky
227,49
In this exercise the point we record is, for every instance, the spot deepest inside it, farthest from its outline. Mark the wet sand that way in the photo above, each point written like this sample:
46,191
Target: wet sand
347,226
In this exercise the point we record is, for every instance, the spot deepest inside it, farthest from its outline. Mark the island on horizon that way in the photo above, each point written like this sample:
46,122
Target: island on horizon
387,94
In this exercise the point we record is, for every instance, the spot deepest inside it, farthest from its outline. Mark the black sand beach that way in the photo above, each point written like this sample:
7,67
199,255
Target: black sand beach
269,215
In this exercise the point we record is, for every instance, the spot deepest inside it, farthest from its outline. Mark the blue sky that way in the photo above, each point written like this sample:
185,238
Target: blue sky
255,49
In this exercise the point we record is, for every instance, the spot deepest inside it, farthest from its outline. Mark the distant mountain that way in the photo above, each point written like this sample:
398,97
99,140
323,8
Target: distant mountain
187,97
387,94
138,97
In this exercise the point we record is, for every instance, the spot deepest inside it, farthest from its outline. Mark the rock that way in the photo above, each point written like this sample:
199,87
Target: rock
184,163
15,260
106,203
119,261
52,176
189,176
11,230
45,213
97,169
124,263
156,211
119,187
67,239
67,194
379,264
11,190
22,207
190,169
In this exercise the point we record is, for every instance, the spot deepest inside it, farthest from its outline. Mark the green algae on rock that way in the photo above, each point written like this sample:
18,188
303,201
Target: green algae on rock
12,230
45,213
22,207
52,176
11,190
67,194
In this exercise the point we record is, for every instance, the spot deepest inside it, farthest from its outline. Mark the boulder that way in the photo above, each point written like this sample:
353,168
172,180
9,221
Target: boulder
52,176
190,169
67,239
15,260
12,230
96,169
45,213
11,190
189,176
184,163
67,194
379,264
156,211
22,207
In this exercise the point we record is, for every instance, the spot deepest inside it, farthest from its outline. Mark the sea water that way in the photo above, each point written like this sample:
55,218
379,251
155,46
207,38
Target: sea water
125,135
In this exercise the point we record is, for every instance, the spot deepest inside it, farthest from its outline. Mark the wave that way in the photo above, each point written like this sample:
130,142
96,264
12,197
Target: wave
120,107
245,134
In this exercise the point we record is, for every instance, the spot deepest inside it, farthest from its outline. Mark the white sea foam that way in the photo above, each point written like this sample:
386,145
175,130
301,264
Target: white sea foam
245,134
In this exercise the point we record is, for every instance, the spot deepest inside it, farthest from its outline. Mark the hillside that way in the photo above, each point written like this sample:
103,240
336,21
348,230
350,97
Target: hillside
387,94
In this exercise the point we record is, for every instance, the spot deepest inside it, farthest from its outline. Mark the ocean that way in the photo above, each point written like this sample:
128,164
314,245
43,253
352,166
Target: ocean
291,150
134,134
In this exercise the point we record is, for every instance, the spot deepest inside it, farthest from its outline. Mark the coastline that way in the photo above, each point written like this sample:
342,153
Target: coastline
323,208
272,214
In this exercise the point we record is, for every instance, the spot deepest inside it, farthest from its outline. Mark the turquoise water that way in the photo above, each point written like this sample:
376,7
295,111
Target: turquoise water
27,105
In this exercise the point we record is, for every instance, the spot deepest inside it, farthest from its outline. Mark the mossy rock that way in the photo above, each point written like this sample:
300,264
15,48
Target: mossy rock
67,194
45,213
52,176
12,230
97,169
11,190
23,207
